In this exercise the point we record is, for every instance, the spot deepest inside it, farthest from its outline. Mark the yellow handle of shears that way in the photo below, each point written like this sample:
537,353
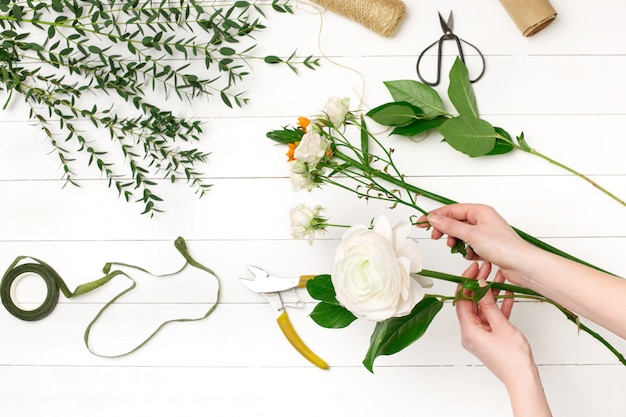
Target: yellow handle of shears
290,333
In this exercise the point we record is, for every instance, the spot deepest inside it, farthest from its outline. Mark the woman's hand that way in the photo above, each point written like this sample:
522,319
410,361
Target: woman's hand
488,334
488,236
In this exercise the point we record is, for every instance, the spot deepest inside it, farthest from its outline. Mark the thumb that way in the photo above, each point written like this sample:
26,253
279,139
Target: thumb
450,226
488,307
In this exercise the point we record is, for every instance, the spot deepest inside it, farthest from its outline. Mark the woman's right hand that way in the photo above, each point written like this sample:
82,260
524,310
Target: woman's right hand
488,236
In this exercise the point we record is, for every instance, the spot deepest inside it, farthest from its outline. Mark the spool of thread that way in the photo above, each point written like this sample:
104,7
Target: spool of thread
530,16
381,16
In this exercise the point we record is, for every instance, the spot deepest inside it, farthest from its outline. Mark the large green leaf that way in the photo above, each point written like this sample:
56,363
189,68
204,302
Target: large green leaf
460,90
332,316
394,334
418,94
395,113
470,135
321,288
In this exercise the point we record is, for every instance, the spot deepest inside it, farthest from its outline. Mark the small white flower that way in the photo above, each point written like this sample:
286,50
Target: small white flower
307,222
301,178
372,271
312,148
336,110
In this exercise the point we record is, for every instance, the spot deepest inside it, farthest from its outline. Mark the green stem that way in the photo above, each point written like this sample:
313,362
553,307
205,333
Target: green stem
578,174
554,162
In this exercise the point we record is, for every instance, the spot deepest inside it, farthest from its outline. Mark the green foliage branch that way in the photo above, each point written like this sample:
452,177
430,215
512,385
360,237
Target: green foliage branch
53,54
417,108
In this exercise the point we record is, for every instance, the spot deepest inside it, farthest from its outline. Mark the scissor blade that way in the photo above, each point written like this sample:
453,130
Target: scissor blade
446,26
270,284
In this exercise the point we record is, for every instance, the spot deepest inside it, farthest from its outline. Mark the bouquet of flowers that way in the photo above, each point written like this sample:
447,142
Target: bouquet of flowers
378,271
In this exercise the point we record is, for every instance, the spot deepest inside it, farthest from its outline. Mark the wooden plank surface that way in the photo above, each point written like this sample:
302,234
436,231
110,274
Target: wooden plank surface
564,88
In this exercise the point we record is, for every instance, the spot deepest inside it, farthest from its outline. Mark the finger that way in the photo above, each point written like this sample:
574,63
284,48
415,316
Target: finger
499,278
449,226
489,309
507,305
466,310
461,212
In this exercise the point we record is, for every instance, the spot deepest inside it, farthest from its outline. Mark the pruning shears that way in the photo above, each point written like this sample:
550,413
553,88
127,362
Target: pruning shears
270,287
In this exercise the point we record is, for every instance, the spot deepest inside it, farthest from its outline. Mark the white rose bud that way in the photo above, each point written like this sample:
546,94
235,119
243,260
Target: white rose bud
307,222
336,110
301,178
312,148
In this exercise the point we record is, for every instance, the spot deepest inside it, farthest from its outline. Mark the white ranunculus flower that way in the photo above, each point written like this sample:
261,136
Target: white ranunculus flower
312,148
301,178
307,222
336,110
371,274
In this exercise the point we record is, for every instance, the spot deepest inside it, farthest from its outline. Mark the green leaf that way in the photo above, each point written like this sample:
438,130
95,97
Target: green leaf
460,90
321,288
419,126
417,94
332,316
470,135
522,143
272,59
502,146
395,114
285,135
365,143
397,333
226,51
459,247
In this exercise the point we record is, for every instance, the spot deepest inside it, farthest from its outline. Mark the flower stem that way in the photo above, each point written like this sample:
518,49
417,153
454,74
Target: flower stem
524,147
530,294
578,174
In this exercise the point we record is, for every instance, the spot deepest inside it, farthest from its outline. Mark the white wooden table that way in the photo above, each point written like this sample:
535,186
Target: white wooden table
564,88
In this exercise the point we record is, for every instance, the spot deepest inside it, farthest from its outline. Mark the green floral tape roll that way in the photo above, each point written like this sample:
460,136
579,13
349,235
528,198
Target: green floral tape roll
55,285
12,276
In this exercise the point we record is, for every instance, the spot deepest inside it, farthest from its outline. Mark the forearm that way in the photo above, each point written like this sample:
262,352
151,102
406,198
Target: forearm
595,295
526,394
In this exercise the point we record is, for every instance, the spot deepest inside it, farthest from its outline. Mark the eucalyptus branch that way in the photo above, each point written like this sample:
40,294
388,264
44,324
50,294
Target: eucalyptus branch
52,54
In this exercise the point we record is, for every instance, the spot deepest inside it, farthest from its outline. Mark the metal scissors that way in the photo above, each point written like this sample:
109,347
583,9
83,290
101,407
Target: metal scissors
446,26
270,287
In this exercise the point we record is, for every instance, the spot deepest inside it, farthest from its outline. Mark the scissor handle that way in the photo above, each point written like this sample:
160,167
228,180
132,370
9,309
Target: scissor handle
290,333
439,54
482,58
419,59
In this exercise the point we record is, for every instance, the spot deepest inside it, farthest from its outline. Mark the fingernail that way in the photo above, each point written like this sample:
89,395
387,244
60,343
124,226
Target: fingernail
434,219
482,283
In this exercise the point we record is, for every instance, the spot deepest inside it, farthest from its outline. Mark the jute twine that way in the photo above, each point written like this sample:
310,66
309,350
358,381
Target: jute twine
381,16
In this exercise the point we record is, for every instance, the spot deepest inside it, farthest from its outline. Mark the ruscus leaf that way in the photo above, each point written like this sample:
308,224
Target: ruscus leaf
460,90
418,94
470,135
395,114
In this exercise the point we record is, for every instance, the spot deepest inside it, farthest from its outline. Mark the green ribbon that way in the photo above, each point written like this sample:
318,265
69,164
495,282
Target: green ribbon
55,284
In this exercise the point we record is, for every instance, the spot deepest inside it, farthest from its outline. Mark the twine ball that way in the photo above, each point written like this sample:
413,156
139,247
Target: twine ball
380,16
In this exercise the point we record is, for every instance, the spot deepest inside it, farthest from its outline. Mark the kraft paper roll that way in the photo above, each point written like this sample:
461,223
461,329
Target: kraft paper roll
530,16
380,16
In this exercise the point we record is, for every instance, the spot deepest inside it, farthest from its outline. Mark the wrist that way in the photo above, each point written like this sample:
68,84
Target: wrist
526,393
